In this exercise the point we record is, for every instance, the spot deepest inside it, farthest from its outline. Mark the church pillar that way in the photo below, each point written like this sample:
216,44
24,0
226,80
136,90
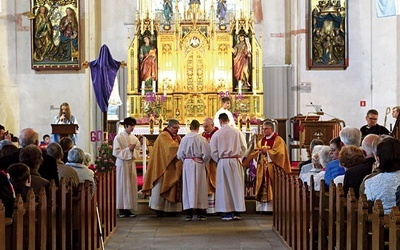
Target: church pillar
92,43
9,102
288,34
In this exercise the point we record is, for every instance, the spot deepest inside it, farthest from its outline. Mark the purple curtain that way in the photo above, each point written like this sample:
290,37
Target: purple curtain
103,70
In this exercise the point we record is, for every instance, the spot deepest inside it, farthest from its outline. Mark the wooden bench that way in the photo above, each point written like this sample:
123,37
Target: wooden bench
330,220
44,221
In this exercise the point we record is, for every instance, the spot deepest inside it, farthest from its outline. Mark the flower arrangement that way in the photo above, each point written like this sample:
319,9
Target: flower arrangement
104,160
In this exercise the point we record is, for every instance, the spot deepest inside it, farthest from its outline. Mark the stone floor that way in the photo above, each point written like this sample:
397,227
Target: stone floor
254,231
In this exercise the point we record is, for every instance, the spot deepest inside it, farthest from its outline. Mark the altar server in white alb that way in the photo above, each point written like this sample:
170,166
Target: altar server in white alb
227,148
226,104
126,150
194,151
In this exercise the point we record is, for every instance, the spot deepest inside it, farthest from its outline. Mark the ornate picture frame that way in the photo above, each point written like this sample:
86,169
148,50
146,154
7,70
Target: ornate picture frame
327,40
55,33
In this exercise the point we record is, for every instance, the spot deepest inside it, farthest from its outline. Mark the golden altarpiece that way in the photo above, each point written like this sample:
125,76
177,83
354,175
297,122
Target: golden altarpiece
193,47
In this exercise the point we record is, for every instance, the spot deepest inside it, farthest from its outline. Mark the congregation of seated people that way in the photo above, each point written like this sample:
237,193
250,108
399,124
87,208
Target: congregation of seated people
31,166
370,166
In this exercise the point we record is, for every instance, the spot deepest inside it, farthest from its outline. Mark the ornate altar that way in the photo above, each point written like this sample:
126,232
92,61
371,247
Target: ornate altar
185,56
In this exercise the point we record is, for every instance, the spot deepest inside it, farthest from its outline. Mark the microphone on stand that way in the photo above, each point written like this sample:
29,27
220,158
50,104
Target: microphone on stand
62,117
318,109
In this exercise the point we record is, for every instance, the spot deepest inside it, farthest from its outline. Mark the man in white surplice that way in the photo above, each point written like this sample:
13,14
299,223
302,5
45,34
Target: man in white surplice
227,148
126,150
194,151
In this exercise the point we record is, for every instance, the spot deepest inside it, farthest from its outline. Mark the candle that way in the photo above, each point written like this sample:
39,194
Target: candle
254,89
142,88
154,86
165,89
240,87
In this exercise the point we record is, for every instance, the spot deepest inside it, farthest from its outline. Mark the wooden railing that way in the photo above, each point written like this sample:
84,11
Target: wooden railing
59,219
309,219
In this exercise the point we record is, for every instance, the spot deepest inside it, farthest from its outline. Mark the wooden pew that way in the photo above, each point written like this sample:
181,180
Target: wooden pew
306,211
340,218
64,218
30,220
275,187
281,190
378,225
323,217
314,214
394,229
17,234
351,220
299,214
364,226
44,221
352,223
332,216
52,216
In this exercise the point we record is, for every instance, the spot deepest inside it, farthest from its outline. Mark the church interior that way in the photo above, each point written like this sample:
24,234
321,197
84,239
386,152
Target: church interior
321,62
282,81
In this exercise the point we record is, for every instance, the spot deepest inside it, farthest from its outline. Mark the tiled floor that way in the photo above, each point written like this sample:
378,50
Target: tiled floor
254,231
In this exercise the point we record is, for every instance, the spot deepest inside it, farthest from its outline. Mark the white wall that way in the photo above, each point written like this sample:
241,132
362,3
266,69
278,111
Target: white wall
370,77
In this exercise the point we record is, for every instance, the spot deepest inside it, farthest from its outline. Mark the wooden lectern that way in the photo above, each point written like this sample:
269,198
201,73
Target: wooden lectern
64,130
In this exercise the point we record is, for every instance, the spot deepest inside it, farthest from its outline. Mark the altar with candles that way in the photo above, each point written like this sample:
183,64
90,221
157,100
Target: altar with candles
186,55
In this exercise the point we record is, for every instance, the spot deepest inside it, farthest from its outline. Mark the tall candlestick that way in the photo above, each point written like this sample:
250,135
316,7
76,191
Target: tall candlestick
254,89
142,88
239,120
165,89
240,87
154,86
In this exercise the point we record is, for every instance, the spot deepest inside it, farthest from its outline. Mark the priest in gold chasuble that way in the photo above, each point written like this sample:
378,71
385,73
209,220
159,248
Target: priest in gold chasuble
163,176
271,150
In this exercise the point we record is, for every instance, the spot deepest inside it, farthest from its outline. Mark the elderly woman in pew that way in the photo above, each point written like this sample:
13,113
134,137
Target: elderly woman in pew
383,185
349,156
76,156
324,159
314,167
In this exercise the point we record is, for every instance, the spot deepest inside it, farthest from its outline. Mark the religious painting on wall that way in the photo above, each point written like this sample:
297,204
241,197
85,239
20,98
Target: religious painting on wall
327,37
55,35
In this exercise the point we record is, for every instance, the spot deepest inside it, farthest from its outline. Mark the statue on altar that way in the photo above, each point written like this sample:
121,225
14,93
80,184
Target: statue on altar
148,61
242,59
167,10
221,10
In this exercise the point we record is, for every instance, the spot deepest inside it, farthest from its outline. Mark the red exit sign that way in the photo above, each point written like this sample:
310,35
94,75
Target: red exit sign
363,103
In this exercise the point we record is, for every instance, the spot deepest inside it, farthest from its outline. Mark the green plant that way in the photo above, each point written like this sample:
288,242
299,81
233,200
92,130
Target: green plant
104,160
